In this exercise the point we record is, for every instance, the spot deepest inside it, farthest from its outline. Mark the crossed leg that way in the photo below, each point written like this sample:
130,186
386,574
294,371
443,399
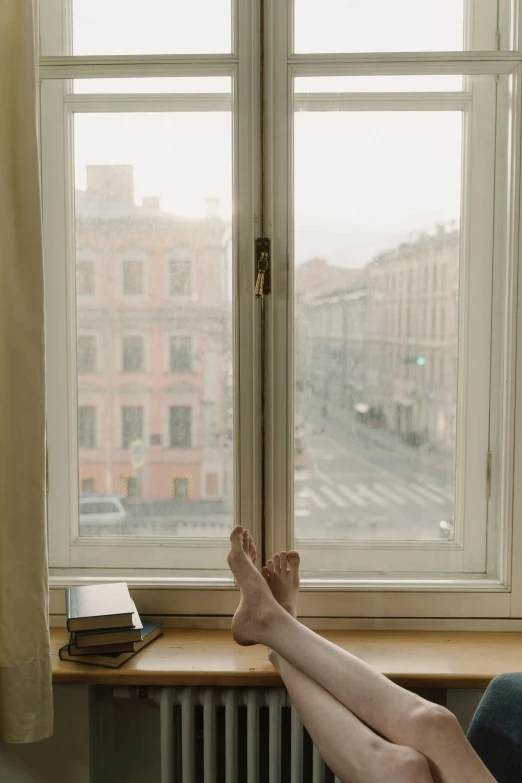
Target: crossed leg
382,726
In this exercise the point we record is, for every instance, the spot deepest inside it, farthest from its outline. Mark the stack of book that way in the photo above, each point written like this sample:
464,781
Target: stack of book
105,627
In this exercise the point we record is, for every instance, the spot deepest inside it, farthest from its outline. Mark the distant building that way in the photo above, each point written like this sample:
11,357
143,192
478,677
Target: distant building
154,348
383,343
412,337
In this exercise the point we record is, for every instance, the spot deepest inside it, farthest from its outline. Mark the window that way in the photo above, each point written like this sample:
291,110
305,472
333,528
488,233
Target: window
133,282
131,487
131,424
87,484
180,487
179,278
85,280
133,354
356,415
180,354
86,427
180,427
86,353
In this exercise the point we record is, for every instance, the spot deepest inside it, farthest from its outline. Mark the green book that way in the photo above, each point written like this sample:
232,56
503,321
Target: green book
112,660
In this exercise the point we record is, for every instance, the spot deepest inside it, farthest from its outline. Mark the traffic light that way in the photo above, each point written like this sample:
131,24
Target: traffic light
420,361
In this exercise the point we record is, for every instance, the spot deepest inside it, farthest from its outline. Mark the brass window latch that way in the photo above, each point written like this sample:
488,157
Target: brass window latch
262,268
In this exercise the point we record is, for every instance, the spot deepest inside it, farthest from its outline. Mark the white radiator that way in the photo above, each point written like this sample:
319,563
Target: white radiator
232,735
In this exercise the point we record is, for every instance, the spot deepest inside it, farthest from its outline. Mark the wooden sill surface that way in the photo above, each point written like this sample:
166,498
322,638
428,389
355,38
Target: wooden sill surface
412,659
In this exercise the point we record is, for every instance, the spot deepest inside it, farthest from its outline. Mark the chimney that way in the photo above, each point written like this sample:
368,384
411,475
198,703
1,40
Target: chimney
115,183
213,208
151,202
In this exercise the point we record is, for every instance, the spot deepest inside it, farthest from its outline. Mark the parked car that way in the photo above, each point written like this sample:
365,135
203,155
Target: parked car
102,509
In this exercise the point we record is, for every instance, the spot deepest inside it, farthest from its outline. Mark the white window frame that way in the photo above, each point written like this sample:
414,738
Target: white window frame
499,597
74,559
413,592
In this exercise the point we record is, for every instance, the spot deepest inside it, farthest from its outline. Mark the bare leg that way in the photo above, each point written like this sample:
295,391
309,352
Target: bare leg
352,750
396,714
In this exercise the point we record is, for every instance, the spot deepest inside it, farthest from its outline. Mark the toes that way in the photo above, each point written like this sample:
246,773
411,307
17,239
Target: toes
284,562
293,558
236,537
265,572
270,566
254,554
246,541
277,563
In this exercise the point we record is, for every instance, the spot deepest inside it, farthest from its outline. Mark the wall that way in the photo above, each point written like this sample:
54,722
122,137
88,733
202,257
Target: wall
63,758
124,740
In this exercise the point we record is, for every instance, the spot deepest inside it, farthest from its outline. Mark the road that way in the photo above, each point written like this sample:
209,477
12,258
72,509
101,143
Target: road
362,483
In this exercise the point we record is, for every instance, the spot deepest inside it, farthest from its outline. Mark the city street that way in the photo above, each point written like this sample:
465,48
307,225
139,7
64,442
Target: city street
364,483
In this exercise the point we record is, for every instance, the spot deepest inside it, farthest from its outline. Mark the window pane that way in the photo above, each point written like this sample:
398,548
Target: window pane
377,215
180,354
180,278
180,427
87,427
160,84
153,221
151,27
133,350
379,25
86,353
85,281
133,283
424,83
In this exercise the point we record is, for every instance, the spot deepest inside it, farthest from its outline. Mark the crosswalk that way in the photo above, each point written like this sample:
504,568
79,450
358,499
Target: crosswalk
321,495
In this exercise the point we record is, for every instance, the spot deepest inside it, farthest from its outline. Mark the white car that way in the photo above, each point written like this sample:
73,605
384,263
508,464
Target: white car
106,509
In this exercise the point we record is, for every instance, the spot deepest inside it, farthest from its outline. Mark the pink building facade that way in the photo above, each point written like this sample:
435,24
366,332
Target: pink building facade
154,346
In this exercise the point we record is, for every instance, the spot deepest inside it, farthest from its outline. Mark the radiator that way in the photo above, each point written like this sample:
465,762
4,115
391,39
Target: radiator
232,735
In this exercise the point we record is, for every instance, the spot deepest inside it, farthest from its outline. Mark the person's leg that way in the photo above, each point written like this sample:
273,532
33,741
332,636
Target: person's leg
496,729
352,750
397,715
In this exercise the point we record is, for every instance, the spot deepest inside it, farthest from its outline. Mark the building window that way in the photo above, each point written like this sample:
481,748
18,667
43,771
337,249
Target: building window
211,484
181,487
443,323
179,278
88,484
85,282
133,354
180,426
86,355
435,277
133,282
433,323
87,427
130,487
180,354
131,424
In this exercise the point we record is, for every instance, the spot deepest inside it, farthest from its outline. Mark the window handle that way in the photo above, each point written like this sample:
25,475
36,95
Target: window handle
262,256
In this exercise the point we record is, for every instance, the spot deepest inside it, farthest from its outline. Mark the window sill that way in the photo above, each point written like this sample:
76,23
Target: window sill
411,659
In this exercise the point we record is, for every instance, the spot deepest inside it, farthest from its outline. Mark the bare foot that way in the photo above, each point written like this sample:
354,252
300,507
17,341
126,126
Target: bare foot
282,576
251,620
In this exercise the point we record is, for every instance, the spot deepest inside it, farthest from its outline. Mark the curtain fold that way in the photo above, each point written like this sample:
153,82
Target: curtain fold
25,663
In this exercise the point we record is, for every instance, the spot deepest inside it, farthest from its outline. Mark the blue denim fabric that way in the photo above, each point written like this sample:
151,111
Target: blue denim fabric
496,729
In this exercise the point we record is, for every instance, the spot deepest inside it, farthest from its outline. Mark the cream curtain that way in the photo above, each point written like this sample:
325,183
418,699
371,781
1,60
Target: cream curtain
25,661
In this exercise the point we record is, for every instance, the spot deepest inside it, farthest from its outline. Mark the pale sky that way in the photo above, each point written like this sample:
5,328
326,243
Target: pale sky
357,174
